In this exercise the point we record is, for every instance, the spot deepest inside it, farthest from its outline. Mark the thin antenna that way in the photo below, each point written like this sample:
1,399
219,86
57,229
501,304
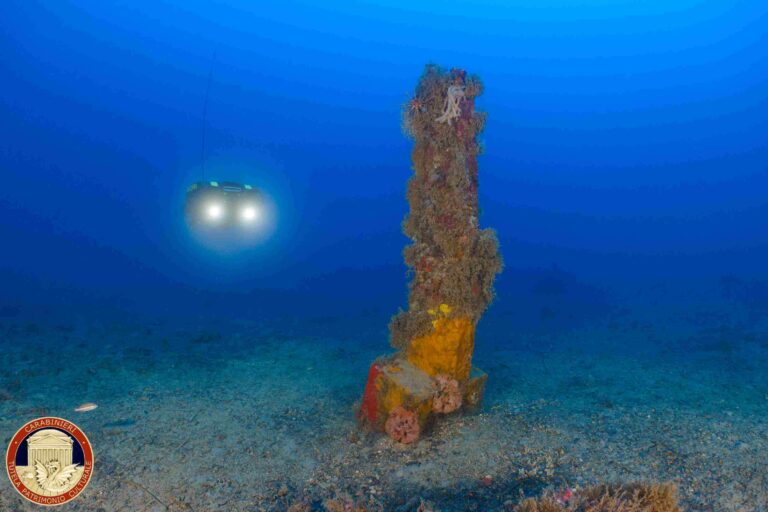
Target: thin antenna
205,114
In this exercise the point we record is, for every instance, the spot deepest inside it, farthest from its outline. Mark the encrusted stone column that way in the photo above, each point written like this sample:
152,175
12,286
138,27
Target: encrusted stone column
453,264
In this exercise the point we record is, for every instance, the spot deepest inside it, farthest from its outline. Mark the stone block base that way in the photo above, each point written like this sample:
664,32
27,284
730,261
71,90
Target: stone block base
392,383
395,383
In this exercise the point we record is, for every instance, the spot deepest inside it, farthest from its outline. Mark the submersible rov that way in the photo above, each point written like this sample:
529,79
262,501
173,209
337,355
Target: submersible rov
223,204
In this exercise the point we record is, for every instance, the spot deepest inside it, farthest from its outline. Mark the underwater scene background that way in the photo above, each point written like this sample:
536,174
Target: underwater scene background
623,169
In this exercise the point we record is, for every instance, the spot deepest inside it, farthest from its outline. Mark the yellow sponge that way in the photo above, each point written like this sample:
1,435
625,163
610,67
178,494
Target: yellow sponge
446,350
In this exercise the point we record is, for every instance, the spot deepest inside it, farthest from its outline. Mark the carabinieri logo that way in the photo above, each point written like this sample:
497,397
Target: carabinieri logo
49,461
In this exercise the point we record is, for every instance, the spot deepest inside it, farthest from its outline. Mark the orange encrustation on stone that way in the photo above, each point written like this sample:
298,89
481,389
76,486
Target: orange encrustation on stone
408,380
446,350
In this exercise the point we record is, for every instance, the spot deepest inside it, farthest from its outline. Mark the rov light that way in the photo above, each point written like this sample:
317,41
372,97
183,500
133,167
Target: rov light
214,211
249,213
221,206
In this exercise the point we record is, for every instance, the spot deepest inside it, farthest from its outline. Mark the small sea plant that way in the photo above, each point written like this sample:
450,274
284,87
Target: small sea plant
632,497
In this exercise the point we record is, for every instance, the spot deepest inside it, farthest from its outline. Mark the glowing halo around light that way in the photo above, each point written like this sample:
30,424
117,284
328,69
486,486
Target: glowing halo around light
214,211
249,213
238,233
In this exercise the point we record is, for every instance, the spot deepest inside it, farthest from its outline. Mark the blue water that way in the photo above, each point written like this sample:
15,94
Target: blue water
624,170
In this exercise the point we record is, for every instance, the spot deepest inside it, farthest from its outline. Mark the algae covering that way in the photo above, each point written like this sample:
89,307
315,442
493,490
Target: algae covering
453,262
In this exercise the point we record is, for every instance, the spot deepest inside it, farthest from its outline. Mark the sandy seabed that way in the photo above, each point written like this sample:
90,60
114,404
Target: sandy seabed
260,415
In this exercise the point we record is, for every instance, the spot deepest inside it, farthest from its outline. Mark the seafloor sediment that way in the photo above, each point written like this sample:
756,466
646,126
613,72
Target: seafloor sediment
261,415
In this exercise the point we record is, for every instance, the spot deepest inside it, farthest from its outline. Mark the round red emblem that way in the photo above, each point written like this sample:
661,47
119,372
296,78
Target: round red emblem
49,461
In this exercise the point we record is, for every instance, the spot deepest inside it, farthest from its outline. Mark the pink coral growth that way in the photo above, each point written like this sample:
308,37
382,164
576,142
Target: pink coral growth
447,394
402,425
